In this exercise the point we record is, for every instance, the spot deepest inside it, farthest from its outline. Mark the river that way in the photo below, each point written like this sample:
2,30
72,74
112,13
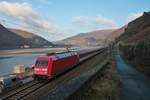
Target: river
7,63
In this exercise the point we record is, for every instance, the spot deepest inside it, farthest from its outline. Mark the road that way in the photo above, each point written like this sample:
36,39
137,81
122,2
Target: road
135,85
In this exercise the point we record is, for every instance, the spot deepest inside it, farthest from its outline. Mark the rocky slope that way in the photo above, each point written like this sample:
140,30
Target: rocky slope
135,43
138,30
16,39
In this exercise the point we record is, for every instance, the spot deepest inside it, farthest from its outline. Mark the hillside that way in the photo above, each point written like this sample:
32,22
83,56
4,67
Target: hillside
16,39
138,30
135,43
31,38
117,33
98,37
22,33
90,38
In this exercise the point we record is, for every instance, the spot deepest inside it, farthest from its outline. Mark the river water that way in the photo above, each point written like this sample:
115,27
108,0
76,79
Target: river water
7,63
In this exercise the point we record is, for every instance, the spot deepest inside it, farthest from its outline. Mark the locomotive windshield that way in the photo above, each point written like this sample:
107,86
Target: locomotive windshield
41,63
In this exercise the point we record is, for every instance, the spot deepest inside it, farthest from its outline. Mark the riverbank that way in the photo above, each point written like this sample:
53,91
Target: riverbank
30,51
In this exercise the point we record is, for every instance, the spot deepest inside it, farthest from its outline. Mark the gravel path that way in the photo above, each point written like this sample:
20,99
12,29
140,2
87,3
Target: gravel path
135,86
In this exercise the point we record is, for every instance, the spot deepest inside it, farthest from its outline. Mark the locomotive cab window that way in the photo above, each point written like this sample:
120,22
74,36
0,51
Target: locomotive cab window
41,63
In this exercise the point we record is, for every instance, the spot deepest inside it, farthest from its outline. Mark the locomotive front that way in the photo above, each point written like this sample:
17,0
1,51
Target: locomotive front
42,67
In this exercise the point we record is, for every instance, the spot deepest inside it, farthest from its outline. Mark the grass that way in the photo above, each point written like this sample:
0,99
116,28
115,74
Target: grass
105,85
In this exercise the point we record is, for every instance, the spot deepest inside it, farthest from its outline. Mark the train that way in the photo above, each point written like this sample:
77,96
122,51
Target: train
47,67
50,66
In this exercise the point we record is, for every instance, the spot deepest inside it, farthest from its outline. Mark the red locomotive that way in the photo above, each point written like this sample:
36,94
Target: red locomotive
55,64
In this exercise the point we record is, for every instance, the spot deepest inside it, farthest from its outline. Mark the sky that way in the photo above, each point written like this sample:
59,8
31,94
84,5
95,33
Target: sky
59,19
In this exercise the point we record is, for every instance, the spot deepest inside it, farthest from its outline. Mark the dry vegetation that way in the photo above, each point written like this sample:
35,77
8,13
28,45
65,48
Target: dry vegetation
104,86
138,55
135,43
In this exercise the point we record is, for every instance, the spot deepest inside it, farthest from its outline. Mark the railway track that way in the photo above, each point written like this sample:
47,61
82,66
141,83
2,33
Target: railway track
22,93
83,67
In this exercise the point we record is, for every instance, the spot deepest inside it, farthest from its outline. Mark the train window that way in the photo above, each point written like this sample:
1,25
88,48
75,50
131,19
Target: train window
59,56
56,56
68,55
65,54
41,63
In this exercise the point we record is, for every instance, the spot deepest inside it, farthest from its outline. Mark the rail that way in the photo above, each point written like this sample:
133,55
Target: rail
31,88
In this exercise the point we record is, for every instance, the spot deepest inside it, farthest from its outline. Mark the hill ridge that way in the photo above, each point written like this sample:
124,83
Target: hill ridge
16,39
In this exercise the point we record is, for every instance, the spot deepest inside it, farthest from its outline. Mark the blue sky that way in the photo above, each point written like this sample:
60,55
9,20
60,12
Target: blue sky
58,19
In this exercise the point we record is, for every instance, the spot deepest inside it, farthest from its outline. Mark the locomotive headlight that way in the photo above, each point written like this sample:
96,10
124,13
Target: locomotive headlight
44,69
37,69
